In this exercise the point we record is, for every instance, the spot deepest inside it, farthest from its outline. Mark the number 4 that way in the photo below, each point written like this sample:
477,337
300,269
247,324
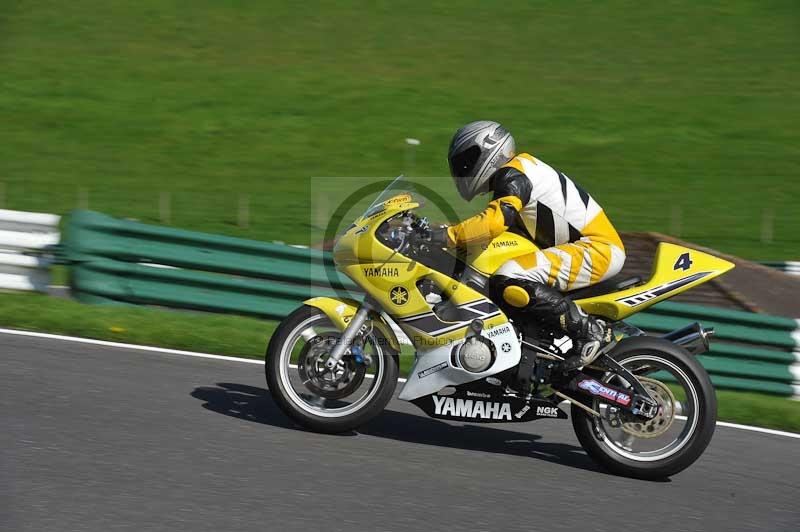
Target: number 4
684,262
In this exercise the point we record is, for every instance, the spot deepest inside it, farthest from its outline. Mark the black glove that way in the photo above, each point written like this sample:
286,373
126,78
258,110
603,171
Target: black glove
438,236
430,237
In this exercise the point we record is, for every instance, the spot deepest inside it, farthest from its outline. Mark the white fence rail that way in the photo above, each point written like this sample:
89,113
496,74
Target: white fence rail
790,267
23,237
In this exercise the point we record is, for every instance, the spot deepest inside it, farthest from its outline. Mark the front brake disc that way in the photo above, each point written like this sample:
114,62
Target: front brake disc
337,383
664,417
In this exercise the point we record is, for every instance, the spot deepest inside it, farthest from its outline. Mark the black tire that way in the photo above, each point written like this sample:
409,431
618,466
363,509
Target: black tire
583,423
345,423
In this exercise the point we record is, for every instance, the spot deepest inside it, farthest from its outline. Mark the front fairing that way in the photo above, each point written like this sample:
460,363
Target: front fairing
392,281
359,244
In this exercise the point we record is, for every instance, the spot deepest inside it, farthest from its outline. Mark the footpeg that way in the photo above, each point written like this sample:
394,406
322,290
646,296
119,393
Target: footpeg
589,352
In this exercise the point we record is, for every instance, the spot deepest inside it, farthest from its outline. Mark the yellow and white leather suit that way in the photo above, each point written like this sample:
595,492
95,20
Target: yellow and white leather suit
579,246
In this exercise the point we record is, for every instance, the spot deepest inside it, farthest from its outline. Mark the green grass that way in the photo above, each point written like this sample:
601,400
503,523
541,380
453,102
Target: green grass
653,107
758,409
246,337
209,333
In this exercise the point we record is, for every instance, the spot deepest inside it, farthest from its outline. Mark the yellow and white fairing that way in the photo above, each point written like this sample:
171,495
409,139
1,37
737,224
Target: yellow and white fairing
675,270
391,279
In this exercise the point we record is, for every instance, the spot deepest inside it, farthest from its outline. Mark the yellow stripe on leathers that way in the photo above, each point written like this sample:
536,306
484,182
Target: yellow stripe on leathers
555,266
484,226
576,252
517,164
601,230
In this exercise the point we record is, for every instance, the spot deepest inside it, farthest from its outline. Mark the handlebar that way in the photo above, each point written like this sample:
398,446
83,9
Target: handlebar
410,233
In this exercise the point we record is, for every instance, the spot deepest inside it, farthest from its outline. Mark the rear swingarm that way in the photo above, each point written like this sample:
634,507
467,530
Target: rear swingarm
638,403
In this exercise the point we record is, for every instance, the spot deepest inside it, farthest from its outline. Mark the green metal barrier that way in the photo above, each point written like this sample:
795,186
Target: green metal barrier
118,261
753,352
108,281
89,236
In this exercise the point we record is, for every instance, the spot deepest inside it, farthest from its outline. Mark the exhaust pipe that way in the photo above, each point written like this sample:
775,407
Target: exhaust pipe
693,338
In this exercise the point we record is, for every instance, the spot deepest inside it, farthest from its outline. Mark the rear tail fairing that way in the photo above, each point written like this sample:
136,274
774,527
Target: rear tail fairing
675,270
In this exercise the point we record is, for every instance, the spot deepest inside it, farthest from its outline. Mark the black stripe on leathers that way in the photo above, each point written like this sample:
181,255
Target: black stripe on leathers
545,226
574,234
563,179
583,194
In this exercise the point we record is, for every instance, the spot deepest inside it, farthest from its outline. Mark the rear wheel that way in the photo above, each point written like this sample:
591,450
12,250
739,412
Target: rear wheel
319,399
675,437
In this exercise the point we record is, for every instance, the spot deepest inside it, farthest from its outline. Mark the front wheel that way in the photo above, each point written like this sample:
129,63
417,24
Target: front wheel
331,401
675,437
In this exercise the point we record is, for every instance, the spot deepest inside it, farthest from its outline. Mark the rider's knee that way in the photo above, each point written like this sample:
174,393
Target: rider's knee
525,294
615,263
509,291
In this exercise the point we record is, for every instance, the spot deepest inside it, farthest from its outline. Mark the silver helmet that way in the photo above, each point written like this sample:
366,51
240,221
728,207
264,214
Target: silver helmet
476,151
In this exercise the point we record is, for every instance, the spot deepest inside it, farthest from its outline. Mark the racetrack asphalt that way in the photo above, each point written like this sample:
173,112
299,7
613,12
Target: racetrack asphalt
98,438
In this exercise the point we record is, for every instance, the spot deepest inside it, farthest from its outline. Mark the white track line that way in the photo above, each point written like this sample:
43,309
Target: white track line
163,350
136,347
758,429
127,346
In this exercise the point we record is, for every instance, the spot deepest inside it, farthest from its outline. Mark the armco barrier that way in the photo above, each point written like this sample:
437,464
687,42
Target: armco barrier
109,281
128,262
24,237
124,261
753,352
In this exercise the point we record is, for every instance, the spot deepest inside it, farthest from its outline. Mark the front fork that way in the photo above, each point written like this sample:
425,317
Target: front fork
349,334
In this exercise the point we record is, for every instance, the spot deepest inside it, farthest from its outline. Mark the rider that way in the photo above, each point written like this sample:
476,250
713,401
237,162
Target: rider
579,246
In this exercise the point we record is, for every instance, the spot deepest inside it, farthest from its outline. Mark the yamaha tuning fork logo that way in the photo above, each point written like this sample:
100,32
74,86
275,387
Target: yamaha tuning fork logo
398,295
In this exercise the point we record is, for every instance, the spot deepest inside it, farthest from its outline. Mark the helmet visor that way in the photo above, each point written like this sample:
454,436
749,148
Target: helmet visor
463,164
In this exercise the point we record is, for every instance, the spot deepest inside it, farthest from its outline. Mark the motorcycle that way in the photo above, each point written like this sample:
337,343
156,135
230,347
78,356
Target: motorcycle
645,408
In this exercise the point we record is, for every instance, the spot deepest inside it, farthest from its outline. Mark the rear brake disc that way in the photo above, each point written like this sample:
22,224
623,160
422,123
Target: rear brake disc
664,417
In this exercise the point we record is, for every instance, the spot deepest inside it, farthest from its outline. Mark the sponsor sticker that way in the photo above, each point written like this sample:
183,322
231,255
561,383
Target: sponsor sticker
541,411
505,244
430,371
469,408
402,198
494,381
547,411
595,388
498,331
382,271
478,394
506,347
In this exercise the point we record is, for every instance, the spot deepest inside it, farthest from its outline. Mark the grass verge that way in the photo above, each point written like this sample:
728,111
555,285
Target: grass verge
247,337
759,409
192,331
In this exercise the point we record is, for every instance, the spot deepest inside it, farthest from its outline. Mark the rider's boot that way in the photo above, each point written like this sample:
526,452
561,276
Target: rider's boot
590,336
